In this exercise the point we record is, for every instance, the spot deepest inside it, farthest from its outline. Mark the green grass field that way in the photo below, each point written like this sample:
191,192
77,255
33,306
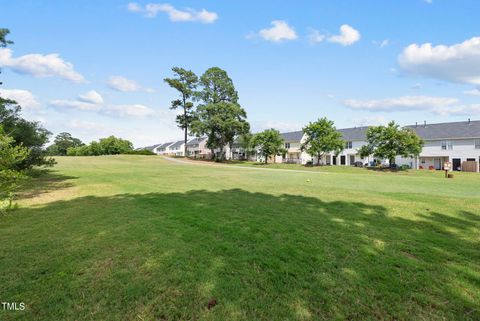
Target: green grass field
142,238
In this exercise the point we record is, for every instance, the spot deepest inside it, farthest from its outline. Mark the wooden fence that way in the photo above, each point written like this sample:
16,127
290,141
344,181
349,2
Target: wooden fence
469,166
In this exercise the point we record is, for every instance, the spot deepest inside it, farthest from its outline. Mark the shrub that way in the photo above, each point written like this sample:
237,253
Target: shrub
11,157
404,167
140,152
431,167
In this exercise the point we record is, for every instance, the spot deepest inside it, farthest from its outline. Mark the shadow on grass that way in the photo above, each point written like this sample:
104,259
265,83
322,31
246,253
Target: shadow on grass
43,181
261,257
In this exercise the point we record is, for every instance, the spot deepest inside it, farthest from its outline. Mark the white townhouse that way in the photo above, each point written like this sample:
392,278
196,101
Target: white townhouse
176,149
196,148
456,142
162,149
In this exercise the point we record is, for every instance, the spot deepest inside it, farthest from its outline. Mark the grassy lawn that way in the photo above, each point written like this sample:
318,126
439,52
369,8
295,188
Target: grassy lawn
141,238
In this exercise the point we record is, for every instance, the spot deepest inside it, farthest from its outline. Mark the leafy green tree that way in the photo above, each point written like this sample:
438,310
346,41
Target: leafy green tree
246,143
185,82
3,41
105,146
62,142
219,116
269,143
321,137
113,146
26,133
387,142
11,156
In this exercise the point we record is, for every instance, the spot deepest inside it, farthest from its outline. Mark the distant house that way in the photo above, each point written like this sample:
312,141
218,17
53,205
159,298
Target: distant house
176,149
196,148
292,143
162,149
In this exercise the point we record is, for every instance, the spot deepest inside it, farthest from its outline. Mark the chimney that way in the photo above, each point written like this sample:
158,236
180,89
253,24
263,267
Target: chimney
469,121
416,124
424,123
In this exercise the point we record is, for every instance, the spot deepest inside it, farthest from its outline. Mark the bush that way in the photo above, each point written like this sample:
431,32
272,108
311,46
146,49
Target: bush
140,152
106,146
404,167
11,157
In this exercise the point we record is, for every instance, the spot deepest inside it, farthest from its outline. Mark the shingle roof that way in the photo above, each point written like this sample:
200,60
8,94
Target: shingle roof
196,141
177,144
453,130
292,136
355,133
165,145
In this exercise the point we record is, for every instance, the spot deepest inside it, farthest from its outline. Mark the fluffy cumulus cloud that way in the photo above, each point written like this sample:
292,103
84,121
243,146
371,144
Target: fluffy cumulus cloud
280,31
93,101
123,84
135,110
41,66
404,103
92,97
23,97
458,63
348,36
151,10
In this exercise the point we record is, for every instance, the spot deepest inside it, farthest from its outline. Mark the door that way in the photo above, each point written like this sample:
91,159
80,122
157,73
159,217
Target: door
457,164
352,160
342,160
334,160
437,163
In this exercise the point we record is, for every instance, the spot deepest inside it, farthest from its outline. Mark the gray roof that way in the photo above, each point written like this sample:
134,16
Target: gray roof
292,136
177,144
196,141
355,133
455,130
165,145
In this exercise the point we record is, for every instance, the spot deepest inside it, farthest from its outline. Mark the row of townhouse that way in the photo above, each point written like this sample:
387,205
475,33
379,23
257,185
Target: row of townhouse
455,142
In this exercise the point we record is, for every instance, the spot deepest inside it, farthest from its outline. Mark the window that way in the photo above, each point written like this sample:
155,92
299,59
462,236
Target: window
477,143
287,145
447,144
348,145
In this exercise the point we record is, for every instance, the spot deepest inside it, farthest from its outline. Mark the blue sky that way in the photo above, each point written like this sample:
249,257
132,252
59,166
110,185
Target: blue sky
95,68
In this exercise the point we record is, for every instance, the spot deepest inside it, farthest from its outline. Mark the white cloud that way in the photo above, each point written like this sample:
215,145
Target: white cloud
126,85
473,92
87,125
93,101
74,104
92,97
347,36
405,103
135,110
428,1
151,10
458,63
381,44
40,66
23,97
258,126
315,36
461,110
370,121
279,32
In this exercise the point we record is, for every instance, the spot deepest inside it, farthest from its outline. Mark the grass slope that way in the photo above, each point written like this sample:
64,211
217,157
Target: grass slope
140,238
